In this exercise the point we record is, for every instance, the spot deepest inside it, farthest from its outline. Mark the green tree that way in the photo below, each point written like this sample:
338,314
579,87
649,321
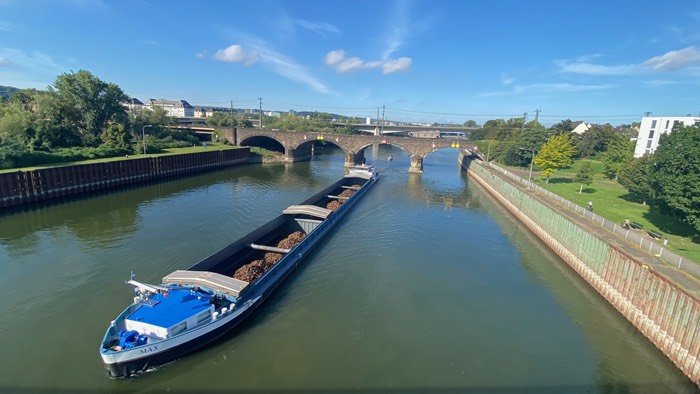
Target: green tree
564,126
676,179
584,175
470,123
620,151
114,136
88,104
594,140
16,128
219,118
635,176
556,153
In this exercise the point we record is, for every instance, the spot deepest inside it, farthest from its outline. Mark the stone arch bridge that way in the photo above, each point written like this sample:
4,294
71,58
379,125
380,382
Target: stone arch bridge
298,145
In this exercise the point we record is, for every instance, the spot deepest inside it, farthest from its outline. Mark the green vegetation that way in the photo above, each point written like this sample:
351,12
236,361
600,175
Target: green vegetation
584,176
660,190
80,117
556,153
266,154
321,122
613,202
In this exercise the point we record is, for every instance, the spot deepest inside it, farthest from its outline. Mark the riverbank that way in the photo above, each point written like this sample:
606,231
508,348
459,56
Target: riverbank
658,299
26,187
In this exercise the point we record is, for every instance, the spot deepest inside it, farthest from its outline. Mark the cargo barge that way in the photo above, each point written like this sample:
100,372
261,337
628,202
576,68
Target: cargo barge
193,307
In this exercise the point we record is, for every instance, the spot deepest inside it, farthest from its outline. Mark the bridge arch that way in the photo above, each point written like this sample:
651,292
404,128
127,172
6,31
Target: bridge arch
265,141
298,145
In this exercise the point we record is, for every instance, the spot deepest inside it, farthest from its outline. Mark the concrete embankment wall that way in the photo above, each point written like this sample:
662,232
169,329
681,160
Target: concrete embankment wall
664,313
24,187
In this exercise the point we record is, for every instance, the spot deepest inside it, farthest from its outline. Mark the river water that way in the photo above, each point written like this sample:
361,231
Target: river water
429,284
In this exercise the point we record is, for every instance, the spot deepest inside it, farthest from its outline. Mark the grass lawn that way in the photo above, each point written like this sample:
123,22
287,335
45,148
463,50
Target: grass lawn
167,152
612,201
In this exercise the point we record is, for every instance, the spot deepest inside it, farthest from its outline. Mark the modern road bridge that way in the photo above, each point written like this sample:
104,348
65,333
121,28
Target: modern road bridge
298,145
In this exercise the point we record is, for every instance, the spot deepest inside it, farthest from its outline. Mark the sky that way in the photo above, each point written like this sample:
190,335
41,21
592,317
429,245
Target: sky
417,60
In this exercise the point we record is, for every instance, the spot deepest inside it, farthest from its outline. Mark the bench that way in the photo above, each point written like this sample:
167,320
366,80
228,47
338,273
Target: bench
636,225
654,234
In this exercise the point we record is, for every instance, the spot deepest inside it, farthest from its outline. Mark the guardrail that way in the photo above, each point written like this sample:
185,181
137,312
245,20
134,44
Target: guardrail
638,237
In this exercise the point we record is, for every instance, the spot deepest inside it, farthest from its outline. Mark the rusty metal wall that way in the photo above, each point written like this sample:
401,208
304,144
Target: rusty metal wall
22,187
663,312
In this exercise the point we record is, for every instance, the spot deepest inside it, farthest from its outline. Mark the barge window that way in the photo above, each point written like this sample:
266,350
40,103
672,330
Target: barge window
203,316
178,328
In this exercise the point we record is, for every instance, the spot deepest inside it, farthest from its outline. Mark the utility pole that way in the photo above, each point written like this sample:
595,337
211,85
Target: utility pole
381,131
233,129
537,114
522,126
261,124
376,125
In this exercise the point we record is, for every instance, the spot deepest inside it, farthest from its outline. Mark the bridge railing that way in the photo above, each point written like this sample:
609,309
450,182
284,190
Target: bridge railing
638,237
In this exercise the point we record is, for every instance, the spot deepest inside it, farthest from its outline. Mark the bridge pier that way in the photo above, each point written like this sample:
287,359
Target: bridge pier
416,165
302,153
354,158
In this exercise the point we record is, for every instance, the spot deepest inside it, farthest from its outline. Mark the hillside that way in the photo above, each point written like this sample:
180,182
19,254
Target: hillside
6,91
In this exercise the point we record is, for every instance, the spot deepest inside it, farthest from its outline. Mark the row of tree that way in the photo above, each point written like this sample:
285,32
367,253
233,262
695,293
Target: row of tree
79,117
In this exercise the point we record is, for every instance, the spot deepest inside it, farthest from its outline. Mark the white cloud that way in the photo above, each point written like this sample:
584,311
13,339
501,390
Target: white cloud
395,65
317,27
597,69
506,80
547,88
398,23
674,60
660,82
236,54
335,57
280,64
337,60
669,61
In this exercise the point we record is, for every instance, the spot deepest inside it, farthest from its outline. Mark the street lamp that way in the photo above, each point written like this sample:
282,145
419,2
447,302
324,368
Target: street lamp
532,159
143,136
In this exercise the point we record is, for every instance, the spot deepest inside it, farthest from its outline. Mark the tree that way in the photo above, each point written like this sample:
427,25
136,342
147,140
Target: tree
564,126
219,118
555,154
16,127
584,175
594,140
470,123
635,176
88,104
620,151
676,176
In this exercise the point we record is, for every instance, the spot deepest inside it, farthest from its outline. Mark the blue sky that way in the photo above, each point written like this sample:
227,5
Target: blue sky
433,61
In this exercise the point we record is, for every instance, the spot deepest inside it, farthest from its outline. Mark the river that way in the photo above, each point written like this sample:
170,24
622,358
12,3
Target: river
428,284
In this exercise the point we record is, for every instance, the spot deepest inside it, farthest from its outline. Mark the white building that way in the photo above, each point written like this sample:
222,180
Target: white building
580,127
651,129
134,104
177,108
200,112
